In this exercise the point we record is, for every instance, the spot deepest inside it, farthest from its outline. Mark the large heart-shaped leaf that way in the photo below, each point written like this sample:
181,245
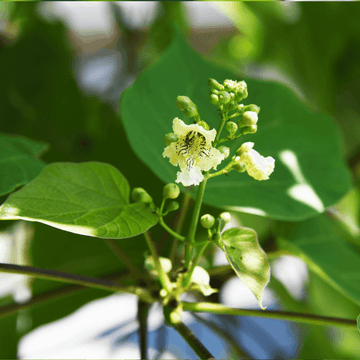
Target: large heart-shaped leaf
247,258
18,161
89,199
324,252
310,173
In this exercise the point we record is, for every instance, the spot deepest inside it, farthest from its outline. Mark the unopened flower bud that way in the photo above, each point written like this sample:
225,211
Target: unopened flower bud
249,130
230,85
245,147
203,124
232,105
171,191
139,194
215,85
224,150
226,217
248,119
191,111
170,138
224,97
207,221
183,102
214,99
231,127
252,107
240,109
239,166
173,206
241,92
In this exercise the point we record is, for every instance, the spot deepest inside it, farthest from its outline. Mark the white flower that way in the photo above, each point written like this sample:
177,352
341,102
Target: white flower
256,165
193,152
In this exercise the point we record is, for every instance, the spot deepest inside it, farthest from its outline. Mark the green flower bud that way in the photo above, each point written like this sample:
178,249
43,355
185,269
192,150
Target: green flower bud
171,191
183,102
215,85
139,194
249,130
224,97
224,150
252,107
249,118
191,111
231,127
232,105
214,99
230,85
226,217
240,109
241,91
239,166
203,124
232,96
173,206
207,221
170,138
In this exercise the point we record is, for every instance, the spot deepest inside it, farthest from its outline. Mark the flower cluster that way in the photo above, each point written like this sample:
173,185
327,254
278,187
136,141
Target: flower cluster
193,147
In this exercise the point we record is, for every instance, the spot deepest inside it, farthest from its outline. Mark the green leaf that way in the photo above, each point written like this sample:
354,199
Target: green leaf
18,161
88,199
358,322
310,173
247,258
327,254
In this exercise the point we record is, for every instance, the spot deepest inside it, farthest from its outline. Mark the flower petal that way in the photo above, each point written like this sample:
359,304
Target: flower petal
212,161
190,177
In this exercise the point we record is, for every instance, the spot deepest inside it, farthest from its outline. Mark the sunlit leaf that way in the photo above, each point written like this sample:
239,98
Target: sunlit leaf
89,199
247,258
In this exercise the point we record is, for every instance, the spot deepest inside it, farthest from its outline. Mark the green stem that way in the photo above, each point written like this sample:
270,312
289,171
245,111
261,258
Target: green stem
170,231
279,315
225,170
179,222
199,349
187,277
142,315
75,279
164,279
124,258
54,294
194,221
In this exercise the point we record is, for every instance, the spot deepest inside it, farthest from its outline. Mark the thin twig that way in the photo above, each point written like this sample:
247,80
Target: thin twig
142,315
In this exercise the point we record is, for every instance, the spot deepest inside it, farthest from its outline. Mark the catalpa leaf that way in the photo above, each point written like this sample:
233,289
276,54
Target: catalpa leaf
88,198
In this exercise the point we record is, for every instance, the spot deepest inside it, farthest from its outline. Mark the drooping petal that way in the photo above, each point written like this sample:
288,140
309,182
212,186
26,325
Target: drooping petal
190,177
256,165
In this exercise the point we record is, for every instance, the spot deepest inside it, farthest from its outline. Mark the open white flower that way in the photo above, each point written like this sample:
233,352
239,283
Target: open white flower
256,165
193,152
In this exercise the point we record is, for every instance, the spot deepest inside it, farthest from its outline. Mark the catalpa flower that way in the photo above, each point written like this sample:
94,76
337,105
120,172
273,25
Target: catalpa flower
193,152
256,165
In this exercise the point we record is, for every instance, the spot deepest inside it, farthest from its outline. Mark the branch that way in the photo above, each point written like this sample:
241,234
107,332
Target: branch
199,349
39,299
76,279
278,315
142,315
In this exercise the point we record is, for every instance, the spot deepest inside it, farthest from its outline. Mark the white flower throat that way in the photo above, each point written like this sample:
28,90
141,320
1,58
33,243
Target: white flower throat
193,147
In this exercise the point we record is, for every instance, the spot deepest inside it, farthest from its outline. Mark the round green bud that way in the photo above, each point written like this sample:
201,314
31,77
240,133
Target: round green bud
224,150
224,97
207,221
230,85
173,206
249,118
215,85
171,191
191,111
241,91
249,130
226,217
232,105
231,127
252,107
239,166
170,138
203,124
240,109
214,99
183,102
139,194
